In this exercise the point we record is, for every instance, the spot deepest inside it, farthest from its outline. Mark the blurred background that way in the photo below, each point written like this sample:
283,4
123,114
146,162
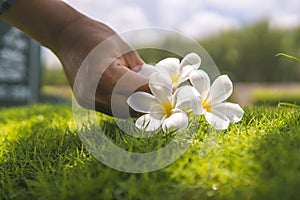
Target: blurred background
242,37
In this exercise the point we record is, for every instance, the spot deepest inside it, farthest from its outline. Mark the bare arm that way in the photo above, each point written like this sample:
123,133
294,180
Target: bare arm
71,36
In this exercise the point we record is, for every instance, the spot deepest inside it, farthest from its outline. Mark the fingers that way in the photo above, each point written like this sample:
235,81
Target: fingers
106,89
133,60
109,94
116,106
129,83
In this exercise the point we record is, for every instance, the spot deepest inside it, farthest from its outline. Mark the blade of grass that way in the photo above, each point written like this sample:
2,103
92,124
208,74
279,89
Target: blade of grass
283,104
288,56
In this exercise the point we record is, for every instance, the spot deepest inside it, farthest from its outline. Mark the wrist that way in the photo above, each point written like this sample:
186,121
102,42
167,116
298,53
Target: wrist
77,40
80,35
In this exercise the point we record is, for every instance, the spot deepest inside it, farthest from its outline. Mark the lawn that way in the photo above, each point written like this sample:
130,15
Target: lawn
42,157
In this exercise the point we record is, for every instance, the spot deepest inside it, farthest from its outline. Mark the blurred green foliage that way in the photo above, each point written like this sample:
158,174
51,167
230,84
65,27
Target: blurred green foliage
248,54
273,97
54,77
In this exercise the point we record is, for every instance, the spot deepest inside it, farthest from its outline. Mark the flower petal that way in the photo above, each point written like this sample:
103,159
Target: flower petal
160,86
147,70
221,89
191,59
179,121
200,80
232,111
169,66
169,62
217,121
188,97
186,70
196,105
157,111
148,123
141,102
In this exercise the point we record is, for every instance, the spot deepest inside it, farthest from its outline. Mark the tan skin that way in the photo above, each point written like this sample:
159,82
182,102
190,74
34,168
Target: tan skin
71,36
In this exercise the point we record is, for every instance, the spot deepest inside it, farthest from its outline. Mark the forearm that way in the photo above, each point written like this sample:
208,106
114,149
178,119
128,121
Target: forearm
44,20
68,33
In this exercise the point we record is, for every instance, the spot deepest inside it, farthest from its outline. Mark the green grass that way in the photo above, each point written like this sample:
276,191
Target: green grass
42,157
272,97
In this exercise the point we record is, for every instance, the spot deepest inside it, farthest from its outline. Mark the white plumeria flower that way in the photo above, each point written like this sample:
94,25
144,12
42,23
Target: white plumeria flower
217,112
164,108
176,70
179,71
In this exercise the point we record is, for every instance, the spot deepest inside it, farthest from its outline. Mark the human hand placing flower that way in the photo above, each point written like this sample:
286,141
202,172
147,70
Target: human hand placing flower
170,102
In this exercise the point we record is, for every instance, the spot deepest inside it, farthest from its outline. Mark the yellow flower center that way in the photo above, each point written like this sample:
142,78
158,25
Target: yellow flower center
206,105
168,106
174,79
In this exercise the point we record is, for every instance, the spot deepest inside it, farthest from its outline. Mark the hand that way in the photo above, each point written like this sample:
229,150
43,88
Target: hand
95,59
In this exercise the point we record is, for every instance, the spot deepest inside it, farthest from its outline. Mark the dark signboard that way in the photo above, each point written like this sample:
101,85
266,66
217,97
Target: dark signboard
19,67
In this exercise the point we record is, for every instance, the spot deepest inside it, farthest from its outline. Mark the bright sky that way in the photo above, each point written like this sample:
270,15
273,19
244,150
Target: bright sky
195,18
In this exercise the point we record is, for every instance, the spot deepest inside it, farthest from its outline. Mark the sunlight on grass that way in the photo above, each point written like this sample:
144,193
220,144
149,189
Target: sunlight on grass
42,157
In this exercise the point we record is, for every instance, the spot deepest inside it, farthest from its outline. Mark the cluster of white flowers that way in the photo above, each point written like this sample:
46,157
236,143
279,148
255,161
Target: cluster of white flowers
179,88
